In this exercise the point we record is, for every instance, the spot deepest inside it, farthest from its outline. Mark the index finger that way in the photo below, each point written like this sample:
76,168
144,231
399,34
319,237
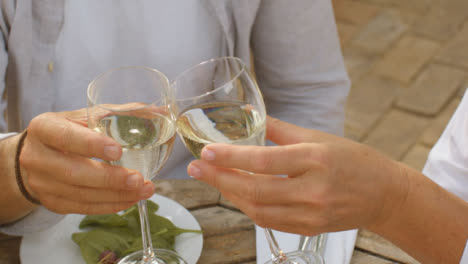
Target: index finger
67,136
286,160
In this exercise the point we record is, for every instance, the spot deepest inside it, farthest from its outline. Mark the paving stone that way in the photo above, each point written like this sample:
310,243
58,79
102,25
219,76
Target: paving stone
440,23
368,100
462,89
396,133
431,90
357,13
346,32
360,257
417,156
357,62
187,192
420,6
371,242
454,52
381,32
229,248
407,17
218,220
406,58
437,126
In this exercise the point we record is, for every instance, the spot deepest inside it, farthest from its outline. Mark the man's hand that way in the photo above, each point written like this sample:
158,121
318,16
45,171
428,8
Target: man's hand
58,170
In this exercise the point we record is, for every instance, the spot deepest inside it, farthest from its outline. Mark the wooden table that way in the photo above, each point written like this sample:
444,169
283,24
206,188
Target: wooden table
229,235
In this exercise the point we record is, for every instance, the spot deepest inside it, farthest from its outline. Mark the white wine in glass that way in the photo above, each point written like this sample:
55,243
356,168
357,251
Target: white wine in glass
133,106
227,122
218,101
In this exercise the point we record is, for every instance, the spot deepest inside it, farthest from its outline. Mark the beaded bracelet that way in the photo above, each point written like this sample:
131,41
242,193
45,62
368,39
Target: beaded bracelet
19,179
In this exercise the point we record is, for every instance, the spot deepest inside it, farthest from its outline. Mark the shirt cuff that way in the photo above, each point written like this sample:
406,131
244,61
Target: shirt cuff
464,258
38,220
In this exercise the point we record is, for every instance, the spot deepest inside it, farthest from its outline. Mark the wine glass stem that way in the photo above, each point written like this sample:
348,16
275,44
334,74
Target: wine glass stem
321,242
148,253
277,255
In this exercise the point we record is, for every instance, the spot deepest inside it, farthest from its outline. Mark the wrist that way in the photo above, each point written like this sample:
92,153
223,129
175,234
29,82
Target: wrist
395,195
13,204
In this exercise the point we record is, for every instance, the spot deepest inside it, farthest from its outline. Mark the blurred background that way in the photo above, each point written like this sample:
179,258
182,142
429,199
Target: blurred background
408,62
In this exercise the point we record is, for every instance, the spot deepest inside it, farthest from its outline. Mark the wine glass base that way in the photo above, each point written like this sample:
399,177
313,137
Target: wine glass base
298,257
162,256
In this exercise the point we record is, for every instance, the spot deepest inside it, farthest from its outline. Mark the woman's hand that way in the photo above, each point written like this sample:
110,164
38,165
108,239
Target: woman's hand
58,170
331,183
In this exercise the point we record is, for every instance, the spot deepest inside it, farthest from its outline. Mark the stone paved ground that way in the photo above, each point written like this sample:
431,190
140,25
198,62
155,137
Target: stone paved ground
408,61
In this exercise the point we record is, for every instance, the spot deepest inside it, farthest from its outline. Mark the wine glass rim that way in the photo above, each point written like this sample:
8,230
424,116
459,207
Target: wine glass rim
160,74
242,69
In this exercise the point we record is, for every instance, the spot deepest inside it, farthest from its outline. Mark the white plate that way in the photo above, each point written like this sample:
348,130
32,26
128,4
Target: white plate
54,245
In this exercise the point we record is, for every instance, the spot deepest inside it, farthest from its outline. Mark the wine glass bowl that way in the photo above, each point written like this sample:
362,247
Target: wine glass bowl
132,105
218,101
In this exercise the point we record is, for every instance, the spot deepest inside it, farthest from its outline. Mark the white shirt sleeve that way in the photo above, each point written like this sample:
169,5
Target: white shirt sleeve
447,163
38,220
6,135
464,258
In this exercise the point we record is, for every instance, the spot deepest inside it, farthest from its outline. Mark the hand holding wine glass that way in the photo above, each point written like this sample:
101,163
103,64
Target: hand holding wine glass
72,182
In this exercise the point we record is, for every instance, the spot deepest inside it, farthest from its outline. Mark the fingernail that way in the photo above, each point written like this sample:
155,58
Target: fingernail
208,154
134,181
148,190
111,152
194,171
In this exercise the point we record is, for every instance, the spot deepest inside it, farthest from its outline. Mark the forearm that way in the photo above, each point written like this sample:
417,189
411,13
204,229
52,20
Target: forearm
13,204
430,224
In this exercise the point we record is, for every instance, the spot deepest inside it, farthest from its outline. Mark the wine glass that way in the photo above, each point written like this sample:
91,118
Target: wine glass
132,105
219,101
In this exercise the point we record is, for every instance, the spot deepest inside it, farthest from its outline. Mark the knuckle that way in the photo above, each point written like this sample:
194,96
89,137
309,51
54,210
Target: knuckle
69,172
110,175
38,127
64,136
106,175
252,189
37,123
260,160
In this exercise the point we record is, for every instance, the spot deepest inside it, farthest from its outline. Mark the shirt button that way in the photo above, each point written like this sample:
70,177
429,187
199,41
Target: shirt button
50,66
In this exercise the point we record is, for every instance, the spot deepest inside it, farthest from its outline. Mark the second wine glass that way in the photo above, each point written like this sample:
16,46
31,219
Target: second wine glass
218,101
133,106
